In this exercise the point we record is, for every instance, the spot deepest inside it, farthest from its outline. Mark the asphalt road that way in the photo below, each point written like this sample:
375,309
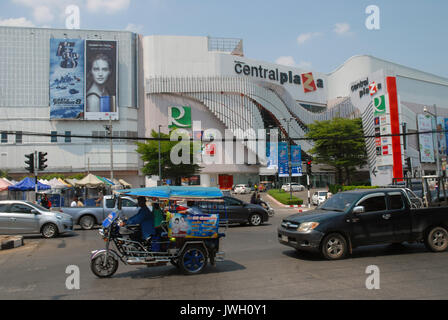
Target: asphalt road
256,267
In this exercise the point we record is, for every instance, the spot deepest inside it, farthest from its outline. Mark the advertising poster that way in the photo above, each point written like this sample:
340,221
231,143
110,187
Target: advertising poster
441,135
66,79
446,132
426,139
194,226
296,161
272,154
101,76
283,169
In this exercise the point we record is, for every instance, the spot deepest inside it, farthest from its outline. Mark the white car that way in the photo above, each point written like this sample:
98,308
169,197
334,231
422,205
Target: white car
293,186
241,188
319,197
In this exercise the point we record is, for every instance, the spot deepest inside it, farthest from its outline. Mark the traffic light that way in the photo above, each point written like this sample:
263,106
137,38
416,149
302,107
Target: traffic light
30,162
309,164
41,163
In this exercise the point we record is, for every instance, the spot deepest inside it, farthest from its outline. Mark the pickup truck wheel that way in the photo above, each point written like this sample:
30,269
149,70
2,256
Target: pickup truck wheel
87,222
334,247
437,239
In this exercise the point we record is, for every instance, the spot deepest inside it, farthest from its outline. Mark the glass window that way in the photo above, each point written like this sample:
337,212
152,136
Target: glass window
4,137
54,138
232,202
3,207
110,203
374,204
20,208
68,136
128,203
19,137
396,202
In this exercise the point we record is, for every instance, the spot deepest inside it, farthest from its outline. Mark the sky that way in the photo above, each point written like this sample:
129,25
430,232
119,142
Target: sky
315,35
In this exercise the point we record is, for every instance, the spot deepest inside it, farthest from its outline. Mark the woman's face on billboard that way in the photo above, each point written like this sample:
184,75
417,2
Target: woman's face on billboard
100,71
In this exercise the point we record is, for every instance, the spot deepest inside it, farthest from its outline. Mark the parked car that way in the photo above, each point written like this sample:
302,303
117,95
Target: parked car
319,197
88,217
364,217
241,188
23,217
294,186
237,211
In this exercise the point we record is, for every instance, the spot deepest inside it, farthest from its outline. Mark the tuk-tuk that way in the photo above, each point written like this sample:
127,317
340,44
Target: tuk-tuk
189,240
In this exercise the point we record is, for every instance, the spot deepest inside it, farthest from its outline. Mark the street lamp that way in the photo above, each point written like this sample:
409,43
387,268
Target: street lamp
425,110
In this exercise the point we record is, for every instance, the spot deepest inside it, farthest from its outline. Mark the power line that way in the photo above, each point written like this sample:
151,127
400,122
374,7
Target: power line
341,137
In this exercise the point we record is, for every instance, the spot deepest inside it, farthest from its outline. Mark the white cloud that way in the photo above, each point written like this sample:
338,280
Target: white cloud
286,61
109,6
16,22
134,28
303,37
341,28
304,65
42,14
290,62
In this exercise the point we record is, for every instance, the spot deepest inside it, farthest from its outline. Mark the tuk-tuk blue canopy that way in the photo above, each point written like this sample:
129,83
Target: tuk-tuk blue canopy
169,192
28,184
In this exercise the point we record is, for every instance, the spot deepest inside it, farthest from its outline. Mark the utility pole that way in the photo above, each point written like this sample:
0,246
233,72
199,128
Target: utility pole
109,132
35,174
289,164
159,183
425,109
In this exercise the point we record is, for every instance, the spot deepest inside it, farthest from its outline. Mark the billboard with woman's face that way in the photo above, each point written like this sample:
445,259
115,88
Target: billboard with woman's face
101,80
66,79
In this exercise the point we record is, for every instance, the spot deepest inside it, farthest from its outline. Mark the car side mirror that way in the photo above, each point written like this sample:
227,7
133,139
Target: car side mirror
34,211
359,209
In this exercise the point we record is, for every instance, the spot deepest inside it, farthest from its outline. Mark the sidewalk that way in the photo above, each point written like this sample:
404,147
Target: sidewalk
10,242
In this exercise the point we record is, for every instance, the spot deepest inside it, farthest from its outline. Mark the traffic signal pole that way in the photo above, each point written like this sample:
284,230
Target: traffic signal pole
308,187
35,174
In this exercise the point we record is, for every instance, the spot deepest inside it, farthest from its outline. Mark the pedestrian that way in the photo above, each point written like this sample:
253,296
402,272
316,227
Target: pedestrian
74,202
99,201
79,203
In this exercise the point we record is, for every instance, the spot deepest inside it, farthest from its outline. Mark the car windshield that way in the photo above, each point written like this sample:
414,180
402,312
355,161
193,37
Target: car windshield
323,193
37,206
339,202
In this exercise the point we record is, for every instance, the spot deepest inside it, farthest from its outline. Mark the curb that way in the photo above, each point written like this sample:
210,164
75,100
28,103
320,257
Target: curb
10,242
288,205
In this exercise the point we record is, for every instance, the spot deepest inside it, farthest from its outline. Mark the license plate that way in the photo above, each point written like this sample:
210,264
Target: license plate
285,238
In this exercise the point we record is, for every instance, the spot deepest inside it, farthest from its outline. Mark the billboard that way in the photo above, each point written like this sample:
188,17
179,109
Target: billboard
426,139
101,74
283,168
296,161
66,79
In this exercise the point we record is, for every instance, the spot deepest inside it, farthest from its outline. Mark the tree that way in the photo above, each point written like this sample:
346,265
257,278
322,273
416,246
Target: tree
339,143
149,153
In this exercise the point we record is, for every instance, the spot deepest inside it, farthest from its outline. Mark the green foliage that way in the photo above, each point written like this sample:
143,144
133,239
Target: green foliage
284,197
339,143
4,174
149,153
335,188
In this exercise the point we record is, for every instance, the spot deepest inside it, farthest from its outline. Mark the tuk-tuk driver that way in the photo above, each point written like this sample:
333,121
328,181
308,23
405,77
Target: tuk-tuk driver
145,218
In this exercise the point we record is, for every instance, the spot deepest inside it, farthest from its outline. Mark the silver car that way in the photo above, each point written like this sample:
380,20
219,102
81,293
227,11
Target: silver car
23,217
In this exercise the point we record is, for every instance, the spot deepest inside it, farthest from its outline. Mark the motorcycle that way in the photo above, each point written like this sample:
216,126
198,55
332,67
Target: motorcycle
189,251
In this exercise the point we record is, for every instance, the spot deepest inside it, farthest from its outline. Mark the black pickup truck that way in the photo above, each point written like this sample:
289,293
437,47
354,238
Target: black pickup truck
364,217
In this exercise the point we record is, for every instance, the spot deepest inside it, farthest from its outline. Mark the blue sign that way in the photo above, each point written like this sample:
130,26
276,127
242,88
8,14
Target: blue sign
296,161
283,168
66,79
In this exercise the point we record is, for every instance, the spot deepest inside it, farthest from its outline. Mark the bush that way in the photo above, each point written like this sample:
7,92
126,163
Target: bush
335,188
284,197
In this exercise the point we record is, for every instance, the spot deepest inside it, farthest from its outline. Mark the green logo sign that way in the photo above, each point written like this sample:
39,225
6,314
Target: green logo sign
379,106
179,117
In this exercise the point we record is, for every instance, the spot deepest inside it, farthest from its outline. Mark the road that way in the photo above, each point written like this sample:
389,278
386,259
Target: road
256,267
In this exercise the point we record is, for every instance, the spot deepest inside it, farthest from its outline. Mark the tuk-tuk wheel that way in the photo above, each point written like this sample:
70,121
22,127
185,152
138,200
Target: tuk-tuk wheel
104,271
193,260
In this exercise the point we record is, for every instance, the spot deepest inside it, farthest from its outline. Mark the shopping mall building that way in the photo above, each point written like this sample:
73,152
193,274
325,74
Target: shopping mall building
181,81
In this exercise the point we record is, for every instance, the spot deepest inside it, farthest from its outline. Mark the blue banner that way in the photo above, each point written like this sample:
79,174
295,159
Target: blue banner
296,161
283,168
66,79
272,154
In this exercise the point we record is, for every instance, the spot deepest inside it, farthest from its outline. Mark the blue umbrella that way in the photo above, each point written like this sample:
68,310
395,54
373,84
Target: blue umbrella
28,184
